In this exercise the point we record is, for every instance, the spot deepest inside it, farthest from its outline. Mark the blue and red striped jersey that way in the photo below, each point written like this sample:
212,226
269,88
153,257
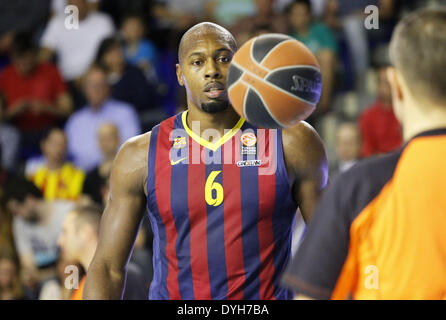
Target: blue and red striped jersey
221,212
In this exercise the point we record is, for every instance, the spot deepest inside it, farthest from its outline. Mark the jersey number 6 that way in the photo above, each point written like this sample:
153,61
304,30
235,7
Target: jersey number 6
210,186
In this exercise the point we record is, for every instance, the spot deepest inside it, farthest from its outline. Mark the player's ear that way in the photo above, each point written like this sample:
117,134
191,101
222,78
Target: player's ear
395,81
179,75
394,78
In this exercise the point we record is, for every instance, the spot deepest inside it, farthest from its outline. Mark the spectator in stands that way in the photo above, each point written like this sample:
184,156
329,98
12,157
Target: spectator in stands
118,9
179,14
138,50
96,180
83,125
320,40
36,227
9,140
127,82
264,17
58,7
10,286
380,130
78,242
57,178
76,49
228,12
36,96
347,18
348,148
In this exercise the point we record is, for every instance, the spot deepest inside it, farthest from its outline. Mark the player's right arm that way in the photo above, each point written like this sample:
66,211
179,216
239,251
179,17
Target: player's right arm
120,222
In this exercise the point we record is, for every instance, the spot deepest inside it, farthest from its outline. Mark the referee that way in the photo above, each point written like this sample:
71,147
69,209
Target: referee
379,231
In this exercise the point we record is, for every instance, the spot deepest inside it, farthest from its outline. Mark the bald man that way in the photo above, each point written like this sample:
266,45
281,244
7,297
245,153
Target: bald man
221,193
347,148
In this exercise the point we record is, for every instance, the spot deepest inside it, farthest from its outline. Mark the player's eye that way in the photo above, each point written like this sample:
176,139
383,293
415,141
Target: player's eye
196,63
224,59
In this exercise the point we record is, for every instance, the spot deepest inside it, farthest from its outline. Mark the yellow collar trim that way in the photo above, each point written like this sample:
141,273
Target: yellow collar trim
212,145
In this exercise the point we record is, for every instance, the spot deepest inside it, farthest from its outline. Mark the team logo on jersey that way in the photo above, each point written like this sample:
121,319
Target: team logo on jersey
179,142
249,163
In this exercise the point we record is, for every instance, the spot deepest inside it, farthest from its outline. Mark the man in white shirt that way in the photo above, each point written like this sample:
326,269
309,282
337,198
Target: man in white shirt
83,125
75,47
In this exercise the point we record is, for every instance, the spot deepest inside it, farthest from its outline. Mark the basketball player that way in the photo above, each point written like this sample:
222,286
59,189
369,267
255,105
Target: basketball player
221,229
379,230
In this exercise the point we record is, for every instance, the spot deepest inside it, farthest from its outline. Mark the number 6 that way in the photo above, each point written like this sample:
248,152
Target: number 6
212,185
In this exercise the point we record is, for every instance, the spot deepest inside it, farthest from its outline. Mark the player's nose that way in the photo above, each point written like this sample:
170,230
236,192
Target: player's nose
212,71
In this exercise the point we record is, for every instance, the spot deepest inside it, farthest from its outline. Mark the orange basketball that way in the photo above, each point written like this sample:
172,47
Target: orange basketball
274,81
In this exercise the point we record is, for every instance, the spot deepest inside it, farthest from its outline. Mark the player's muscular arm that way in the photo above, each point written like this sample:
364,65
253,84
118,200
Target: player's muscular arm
306,164
120,222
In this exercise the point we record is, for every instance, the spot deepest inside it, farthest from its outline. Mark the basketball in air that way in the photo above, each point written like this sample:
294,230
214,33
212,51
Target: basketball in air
274,81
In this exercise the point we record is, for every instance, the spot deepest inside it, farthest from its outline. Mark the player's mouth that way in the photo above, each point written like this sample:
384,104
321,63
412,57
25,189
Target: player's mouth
214,90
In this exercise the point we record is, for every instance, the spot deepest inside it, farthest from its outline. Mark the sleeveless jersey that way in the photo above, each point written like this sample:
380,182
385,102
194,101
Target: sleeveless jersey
221,212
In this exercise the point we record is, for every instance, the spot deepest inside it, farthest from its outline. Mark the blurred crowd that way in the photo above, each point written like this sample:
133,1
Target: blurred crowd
71,94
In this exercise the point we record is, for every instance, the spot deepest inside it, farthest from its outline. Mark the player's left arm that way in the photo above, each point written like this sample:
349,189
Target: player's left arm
306,164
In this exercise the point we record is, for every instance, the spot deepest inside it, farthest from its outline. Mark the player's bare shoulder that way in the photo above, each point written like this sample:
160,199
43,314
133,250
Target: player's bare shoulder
130,165
303,148
302,133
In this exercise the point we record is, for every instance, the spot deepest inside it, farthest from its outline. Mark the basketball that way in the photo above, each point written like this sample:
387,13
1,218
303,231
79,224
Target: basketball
274,81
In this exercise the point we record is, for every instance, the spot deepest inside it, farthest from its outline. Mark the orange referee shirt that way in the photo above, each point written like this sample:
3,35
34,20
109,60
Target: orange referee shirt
379,231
